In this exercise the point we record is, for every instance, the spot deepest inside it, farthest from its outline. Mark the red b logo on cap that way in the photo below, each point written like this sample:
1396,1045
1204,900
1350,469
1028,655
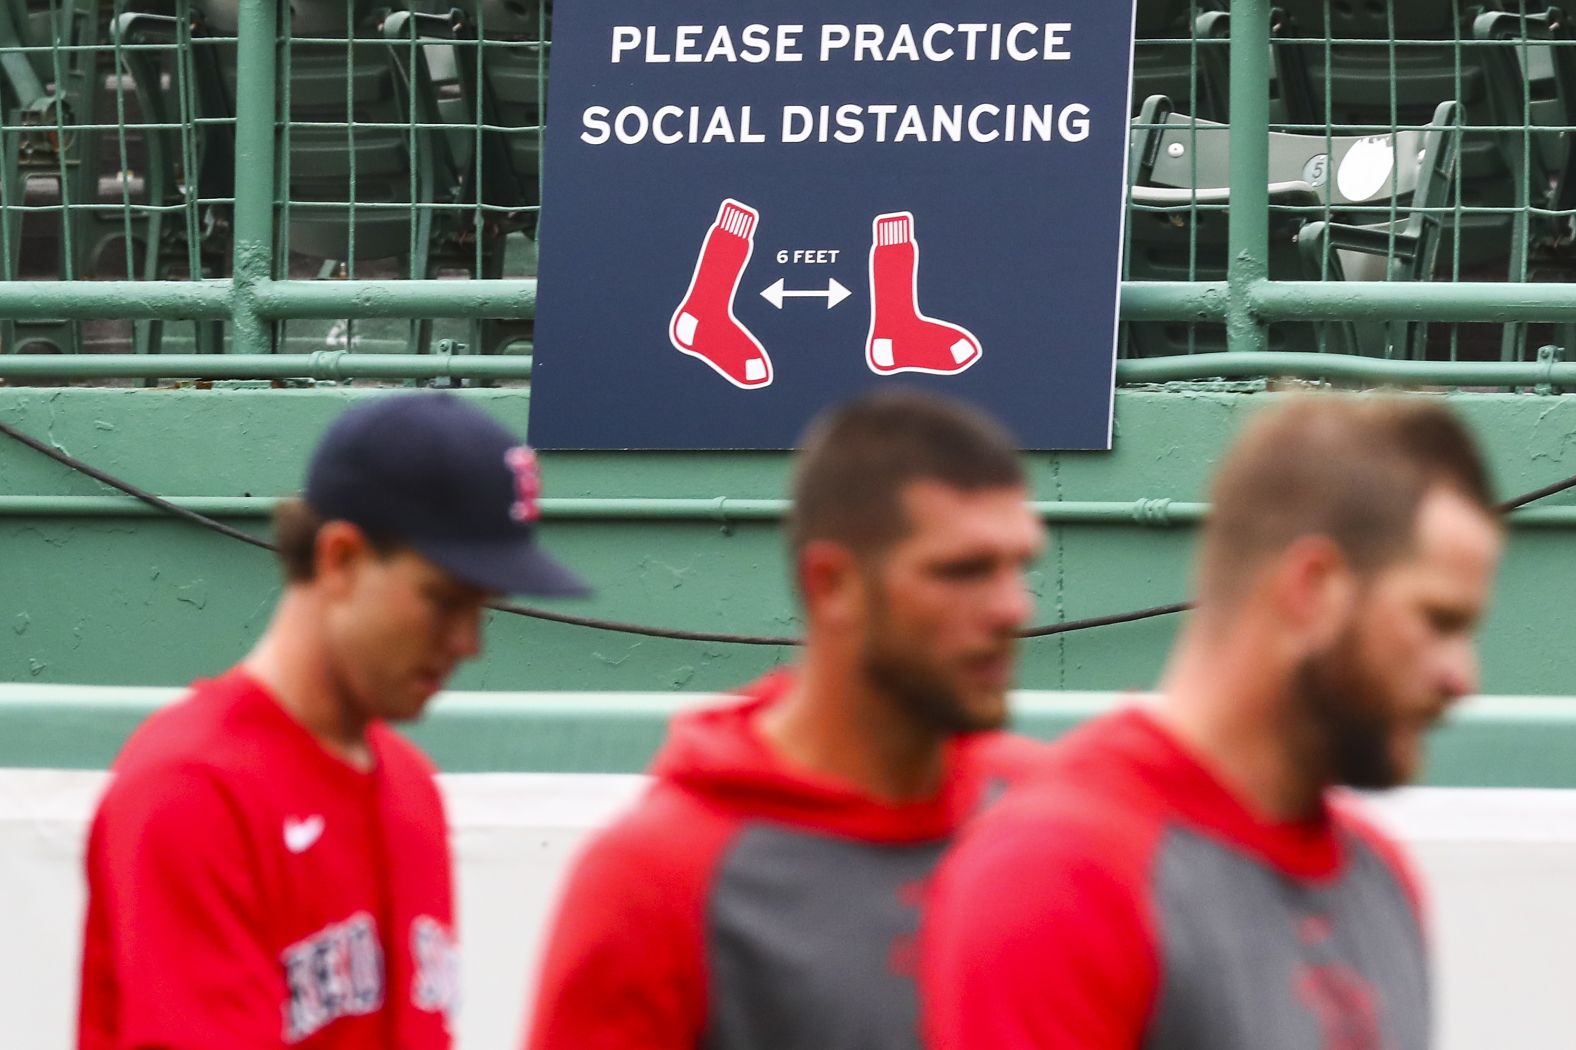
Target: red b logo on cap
527,483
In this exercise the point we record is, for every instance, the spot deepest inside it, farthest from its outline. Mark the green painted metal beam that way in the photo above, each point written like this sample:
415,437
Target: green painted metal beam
345,365
415,298
720,509
130,300
1367,370
1247,226
321,364
1490,742
255,118
1446,301
1154,512
1200,301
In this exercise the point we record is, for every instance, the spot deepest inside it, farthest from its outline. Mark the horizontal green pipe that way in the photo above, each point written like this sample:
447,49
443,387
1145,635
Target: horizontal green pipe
344,364
1490,742
1157,512
1447,301
321,364
114,300
1200,301
1148,512
1344,367
1197,301
403,125
335,299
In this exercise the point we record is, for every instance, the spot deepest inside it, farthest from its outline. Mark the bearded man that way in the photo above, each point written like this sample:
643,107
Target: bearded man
765,892
1188,875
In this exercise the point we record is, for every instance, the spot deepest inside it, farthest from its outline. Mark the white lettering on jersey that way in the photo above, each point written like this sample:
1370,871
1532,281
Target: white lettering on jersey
436,986
337,972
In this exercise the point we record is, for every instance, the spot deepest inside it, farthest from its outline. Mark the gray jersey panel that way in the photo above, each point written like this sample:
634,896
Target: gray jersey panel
1252,959
810,942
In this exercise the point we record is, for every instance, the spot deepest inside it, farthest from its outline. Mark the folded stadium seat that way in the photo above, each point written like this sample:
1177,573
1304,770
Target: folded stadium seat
1180,51
507,179
183,161
1376,83
1533,86
514,78
485,63
54,92
351,189
1177,223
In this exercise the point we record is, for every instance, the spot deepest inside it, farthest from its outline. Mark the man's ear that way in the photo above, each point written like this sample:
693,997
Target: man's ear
831,583
338,553
1315,591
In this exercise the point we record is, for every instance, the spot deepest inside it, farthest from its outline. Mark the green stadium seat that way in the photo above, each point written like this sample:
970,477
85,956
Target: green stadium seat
1532,85
180,168
484,63
48,93
1177,226
514,78
1180,235
1370,82
1180,51
350,188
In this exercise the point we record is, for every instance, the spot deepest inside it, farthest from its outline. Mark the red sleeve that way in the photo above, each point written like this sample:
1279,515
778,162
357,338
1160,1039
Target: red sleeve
177,909
1038,936
625,966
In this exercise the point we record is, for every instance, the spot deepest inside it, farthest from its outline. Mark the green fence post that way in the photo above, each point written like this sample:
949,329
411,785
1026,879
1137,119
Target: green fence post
1248,223
256,50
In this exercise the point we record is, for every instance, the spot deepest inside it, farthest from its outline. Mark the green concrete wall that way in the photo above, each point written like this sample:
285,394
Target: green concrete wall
1502,741
119,600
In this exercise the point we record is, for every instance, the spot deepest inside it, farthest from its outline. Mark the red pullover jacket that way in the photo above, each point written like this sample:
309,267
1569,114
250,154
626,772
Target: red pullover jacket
1130,900
747,905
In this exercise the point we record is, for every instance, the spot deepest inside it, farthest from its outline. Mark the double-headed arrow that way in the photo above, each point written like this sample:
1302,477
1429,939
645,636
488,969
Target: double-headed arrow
834,294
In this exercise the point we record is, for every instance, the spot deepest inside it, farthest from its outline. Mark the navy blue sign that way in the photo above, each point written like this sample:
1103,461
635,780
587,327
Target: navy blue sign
758,208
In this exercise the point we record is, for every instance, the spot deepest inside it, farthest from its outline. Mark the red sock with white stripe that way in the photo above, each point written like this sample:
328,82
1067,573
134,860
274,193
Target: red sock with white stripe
902,339
704,325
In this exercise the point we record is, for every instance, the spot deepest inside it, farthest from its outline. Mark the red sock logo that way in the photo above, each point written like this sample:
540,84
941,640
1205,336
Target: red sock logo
704,326
902,339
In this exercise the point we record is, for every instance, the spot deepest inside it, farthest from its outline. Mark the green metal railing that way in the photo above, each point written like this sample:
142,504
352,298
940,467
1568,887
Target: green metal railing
1151,512
260,294
249,141
1493,741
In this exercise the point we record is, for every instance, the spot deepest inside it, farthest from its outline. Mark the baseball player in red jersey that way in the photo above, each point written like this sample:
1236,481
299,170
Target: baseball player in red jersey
269,867
765,891
1186,877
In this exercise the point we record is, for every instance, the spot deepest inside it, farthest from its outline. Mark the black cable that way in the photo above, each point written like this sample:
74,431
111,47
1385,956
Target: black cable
1088,622
642,629
65,459
1537,494
68,460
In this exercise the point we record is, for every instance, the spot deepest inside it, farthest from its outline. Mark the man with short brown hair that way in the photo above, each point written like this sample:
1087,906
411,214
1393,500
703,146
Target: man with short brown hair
270,864
1185,878
765,891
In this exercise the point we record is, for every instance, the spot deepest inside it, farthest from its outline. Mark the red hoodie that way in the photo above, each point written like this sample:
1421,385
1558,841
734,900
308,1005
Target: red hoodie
750,905
1151,908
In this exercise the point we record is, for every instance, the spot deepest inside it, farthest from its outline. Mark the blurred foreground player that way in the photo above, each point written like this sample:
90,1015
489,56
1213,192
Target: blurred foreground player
1185,879
270,865
764,893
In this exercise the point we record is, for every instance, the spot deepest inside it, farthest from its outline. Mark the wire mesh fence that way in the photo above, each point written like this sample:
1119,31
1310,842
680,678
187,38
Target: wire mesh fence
1411,142
1373,177
408,145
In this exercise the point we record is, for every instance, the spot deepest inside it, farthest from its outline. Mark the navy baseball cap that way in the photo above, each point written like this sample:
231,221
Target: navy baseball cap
444,478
